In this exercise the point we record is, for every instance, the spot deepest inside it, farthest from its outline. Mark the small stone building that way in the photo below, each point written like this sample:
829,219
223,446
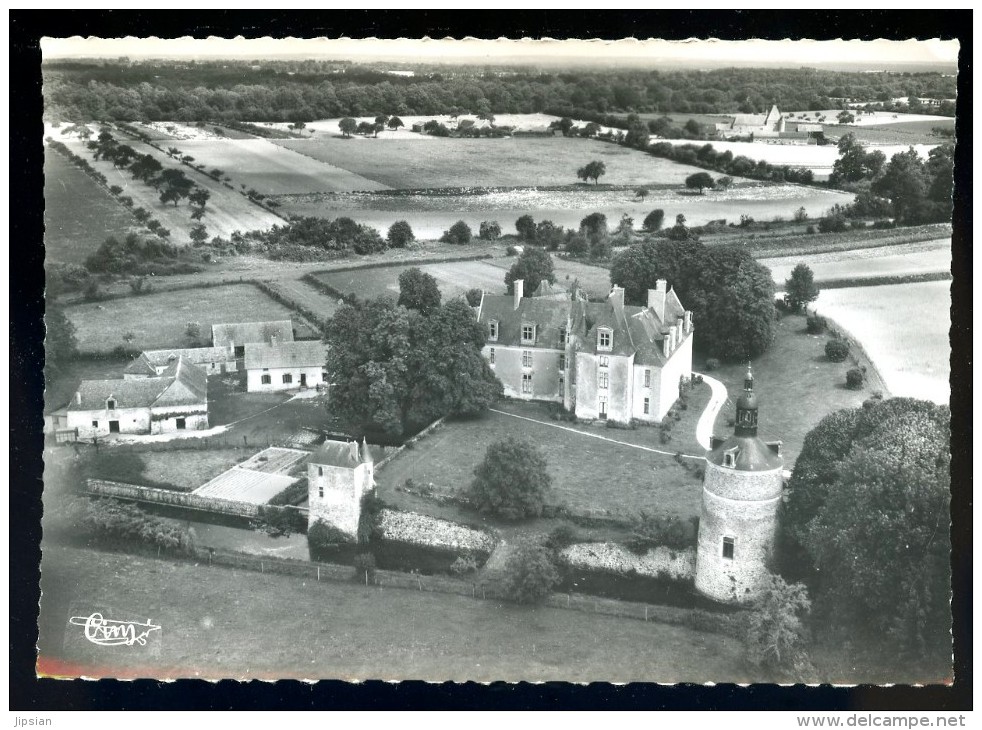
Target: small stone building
339,474
740,499
237,335
285,365
176,400
152,363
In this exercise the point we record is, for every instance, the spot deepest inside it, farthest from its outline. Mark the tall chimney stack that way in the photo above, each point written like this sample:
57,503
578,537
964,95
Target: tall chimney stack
519,288
656,298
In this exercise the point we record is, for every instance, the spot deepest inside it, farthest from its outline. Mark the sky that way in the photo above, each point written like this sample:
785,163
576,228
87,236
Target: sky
875,54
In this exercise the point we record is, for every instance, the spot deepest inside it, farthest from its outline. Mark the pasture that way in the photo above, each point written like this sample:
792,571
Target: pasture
913,258
342,631
78,213
159,320
904,329
454,278
918,132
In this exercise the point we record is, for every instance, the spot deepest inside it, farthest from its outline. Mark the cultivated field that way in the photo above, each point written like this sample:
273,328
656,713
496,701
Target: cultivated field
216,624
159,320
430,214
913,258
78,213
272,168
904,329
227,210
919,132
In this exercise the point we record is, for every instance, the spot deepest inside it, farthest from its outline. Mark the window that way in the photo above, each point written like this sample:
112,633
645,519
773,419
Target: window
320,473
526,382
729,458
111,404
324,375
604,361
181,424
491,355
526,359
320,491
603,381
562,383
603,408
95,424
493,334
605,339
647,379
729,544
528,334
647,406
287,378
267,379
562,337
562,362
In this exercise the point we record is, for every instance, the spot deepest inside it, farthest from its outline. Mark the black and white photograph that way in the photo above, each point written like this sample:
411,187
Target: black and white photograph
511,359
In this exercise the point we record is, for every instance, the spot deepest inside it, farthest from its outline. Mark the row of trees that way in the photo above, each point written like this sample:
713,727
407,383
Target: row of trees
216,92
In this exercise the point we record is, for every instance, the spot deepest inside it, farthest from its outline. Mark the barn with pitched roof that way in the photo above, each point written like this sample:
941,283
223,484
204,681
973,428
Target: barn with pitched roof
285,365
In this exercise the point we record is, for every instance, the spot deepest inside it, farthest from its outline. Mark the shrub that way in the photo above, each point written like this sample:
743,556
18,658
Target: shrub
400,233
530,574
512,481
669,531
322,536
835,223
810,230
654,220
111,521
775,632
525,226
463,565
511,251
815,324
562,537
489,231
280,521
712,364
837,350
459,233
855,379
473,297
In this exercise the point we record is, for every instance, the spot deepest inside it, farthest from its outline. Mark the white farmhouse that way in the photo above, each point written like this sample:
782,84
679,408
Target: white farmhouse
285,365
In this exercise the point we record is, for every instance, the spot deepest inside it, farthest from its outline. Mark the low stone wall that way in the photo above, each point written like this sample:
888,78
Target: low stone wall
659,562
102,488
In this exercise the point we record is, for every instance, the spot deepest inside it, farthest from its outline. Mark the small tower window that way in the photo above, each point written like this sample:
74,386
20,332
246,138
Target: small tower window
320,471
729,544
729,458
493,334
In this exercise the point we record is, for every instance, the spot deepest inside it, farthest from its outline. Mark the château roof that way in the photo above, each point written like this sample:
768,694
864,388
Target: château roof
751,453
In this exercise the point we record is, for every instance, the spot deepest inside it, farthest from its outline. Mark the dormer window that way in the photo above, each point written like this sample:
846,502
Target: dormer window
605,339
729,458
528,334
111,404
493,333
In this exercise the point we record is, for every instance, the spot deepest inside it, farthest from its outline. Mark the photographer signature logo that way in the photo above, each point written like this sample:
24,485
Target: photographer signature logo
106,632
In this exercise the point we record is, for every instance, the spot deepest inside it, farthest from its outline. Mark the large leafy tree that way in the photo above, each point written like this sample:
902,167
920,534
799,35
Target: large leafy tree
800,289
730,295
513,480
530,574
418,290
700,181
868,509
592,171
533,266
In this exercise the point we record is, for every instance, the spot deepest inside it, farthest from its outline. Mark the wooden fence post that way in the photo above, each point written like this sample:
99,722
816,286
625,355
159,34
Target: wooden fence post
318,572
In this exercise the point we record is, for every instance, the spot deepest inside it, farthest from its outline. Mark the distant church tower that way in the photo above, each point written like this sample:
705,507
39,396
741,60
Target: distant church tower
339,473
740,498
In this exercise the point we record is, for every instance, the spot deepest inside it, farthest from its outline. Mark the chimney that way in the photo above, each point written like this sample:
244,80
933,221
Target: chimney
78,397
616,298
366,454
688,322
673,333
656,298
666,346
353,451
519,288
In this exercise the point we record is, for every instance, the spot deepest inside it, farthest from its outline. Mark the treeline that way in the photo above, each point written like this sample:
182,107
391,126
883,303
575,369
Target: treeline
224,92
739,166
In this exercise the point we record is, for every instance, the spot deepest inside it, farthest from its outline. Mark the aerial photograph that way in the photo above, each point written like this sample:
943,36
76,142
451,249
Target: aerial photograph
488,360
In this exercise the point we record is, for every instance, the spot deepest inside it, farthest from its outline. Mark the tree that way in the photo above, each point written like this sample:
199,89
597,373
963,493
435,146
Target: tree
654,220
489,231
679,232
193,331
534,266
867,509
419,291
145,168
459,233
905,183
724,182
525,226
530,574
641,193
512,482
700,181
800,289
175,186
549,235
60,343
400,234
592,171
198,234
473,297
564,125
845,117
776,632
348,126
395,123
594,227
199,197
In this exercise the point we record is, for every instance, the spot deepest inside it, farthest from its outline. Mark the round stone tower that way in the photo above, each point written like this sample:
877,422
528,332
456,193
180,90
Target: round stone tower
740,498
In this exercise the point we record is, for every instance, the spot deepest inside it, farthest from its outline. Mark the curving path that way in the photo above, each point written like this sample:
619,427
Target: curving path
704,428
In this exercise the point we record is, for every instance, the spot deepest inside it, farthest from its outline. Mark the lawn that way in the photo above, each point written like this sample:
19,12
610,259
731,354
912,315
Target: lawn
462,163
588,474
454,278
904,329
796,385
78,213
218,622
185,469
595,280
159,320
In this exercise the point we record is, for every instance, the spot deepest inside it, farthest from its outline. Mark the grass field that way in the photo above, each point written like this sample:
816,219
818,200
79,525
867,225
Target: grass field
454,278
917,132
913,258
796,384
185,468
462,163
272,168
159,320
78,213
904,329
219,623
587,473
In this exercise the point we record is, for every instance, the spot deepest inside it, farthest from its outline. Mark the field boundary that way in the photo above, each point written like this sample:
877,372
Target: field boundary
883,280
412,442
836,328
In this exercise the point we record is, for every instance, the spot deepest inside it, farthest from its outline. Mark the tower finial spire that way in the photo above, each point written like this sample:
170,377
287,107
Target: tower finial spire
748,381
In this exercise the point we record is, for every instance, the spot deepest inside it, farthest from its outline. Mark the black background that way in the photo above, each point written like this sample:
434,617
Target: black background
26,356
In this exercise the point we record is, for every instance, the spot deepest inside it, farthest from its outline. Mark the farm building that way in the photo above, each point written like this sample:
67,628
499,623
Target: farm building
176,400
339,474
151,363
236,336
772,128
285,365
599,360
